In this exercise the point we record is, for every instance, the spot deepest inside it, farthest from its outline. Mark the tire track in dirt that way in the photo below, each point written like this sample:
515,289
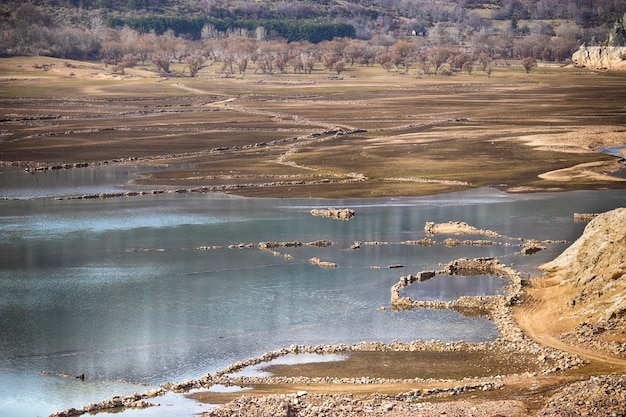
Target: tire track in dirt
535,319
332,130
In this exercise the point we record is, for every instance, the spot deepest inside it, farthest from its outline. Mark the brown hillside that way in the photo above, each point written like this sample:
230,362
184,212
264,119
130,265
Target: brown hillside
581,299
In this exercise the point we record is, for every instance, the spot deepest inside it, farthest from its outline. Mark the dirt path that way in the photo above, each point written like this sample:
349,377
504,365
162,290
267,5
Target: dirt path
540,322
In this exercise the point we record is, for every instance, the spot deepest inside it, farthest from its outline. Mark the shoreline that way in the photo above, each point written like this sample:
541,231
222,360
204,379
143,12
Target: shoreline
245,138
268,185
511,339
540,368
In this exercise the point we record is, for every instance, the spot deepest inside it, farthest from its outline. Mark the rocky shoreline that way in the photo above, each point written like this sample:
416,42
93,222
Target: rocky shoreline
596,395
498,308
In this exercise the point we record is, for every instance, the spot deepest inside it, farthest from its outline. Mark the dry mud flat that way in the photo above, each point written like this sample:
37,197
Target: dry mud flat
374,133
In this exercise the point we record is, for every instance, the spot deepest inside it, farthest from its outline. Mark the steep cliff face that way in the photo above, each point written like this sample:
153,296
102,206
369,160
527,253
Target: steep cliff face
593,269
601,57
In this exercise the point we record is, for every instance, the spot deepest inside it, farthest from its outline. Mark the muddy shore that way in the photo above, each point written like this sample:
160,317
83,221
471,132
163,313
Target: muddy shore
372,134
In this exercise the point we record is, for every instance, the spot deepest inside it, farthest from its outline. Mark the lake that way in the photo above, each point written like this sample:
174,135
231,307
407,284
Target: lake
137,291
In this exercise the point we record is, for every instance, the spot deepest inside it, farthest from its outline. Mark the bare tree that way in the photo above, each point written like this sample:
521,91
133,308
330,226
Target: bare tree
403,54
161,59
339,66
529,63
423,61
467,67
484,61
146,45
194,63
329,59
438,55
164,51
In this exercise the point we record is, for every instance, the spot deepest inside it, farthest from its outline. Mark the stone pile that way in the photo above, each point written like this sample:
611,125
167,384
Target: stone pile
597,396
334,213
303,404
322,264
132,401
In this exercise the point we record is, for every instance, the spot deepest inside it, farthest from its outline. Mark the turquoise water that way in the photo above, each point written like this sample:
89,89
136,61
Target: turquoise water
117,289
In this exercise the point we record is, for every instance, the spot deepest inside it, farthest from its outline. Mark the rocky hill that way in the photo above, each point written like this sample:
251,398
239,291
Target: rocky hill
588,285
601,57
596,265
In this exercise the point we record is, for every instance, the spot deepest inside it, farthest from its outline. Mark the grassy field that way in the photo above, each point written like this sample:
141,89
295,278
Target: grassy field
366,133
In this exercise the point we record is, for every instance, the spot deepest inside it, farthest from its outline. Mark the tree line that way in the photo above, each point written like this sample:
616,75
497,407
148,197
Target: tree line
453,38
242,52
289,29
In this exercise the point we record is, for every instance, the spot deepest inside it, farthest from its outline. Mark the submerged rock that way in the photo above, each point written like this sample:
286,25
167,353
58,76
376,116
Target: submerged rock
334,213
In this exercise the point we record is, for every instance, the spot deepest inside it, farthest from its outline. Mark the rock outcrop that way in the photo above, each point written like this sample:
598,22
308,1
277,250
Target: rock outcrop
610,56
595,265
600,57
334,213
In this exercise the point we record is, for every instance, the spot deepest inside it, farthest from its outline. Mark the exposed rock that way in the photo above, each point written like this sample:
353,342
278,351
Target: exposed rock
271,245
531,247
612,55
334,213
419,242
584,217
407,404
322,264
456,228
596,265
132,401
600,57
617,37
597,396
322,243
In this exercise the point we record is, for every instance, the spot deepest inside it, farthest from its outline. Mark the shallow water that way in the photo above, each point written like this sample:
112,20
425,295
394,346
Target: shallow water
451,287
118,289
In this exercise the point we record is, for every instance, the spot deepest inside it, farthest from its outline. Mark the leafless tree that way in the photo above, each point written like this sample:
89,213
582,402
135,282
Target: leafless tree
467,67
339,66
194,63
162,59
403,53
529,63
